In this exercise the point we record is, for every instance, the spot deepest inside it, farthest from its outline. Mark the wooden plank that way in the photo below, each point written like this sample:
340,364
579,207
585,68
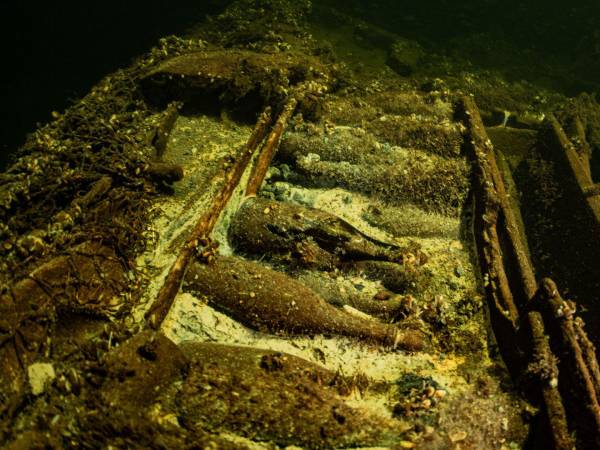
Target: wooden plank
577,168
198,237
272,144
491,199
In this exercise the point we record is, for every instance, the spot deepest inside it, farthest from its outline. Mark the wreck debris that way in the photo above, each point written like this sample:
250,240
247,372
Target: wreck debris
578,137
242,79
159,309
384,304
578,167
270,147
490,203
276,397
88,279
487,207
406,175
409,220
402,277
579,375
229,397
160,135
267,300
137,370
98,189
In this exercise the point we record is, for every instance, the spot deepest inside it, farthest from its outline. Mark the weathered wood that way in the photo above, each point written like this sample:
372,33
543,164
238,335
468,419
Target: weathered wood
271,301
510,229
576,166
88,279
488,209
592,190
275,397
502,308
543,366
164,172
198,237
492,205
160,137
237,76
583,147
576,376
270,148
589,353
573,127
98,189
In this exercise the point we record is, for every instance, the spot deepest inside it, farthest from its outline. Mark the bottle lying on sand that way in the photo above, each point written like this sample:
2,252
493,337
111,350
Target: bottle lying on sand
271,301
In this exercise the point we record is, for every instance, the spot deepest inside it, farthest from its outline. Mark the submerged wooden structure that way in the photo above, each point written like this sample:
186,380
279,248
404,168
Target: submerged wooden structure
283,261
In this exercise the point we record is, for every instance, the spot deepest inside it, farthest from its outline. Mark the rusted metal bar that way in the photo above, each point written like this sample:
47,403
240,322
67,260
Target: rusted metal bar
198,238
492,205
272,143
578,169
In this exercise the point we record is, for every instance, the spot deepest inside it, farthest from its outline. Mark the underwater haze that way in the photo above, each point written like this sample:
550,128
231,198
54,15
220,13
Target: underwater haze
56,51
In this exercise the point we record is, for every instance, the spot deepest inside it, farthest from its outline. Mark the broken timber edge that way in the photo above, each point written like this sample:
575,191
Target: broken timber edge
198,237
493,216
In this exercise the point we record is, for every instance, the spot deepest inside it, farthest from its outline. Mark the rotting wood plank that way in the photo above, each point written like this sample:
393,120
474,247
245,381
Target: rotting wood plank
491,201
577,358
592,190
578,169
489,207
270,148
198,237
578,364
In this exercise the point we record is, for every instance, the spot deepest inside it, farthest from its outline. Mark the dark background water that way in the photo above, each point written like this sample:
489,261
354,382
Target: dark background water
554,42
54,52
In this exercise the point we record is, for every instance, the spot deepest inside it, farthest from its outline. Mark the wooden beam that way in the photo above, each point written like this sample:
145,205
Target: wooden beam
270,148
577,168
199,235
491,205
